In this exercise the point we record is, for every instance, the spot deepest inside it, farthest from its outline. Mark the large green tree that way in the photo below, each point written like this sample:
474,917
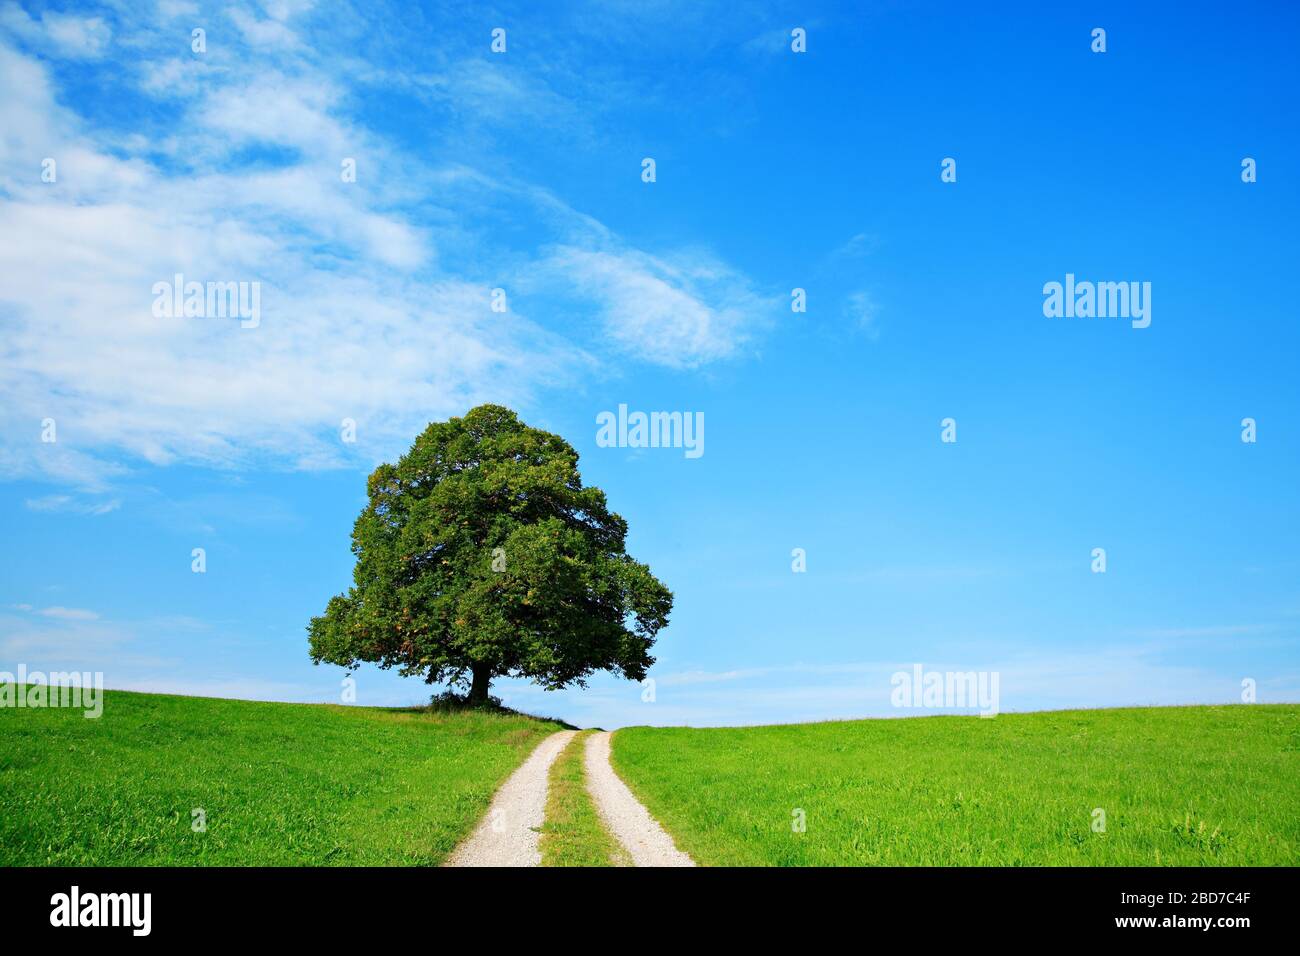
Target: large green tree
480,554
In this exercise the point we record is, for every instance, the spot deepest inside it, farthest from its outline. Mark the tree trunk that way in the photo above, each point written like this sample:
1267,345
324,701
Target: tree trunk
478,691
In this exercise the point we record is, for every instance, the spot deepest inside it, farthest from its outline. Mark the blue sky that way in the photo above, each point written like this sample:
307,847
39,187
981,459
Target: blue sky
775,171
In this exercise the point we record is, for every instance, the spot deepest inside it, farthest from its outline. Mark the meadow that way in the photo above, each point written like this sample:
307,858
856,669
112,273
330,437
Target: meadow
273,784
1193,786
199,781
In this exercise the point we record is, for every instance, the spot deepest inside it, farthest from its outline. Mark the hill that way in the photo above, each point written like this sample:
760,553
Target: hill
1196,786
274,784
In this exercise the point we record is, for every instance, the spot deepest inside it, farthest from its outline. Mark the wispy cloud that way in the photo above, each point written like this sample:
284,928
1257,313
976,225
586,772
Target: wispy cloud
681,313
1114,675
66,636
64,34
374,293
70,613
73,505
863,314
858,246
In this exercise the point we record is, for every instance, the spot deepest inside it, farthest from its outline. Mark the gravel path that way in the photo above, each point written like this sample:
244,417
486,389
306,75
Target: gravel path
624,815
509,834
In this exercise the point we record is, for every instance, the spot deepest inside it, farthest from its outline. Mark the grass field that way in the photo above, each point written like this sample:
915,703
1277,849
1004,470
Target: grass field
573,834
280,784
1179,786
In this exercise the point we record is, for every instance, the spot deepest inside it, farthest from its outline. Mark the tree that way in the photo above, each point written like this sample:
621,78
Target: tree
480,555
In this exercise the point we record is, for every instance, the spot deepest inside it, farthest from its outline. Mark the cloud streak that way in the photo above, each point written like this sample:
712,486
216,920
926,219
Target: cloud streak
374,294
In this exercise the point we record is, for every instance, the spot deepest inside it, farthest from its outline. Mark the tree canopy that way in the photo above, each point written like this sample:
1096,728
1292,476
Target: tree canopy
481,554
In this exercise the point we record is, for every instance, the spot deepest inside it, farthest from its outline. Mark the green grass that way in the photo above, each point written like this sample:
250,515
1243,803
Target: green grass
1179,786
281,784
573,834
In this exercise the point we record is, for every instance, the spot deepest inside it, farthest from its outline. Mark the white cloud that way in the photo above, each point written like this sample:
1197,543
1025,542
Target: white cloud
69,613
360,316
78,259
65,34
77,36
858,246
171,9
861,309
262,33
44,640
681,314
274,108
72,505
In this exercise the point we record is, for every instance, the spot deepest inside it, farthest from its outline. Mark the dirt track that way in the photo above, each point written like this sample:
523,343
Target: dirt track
510,832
